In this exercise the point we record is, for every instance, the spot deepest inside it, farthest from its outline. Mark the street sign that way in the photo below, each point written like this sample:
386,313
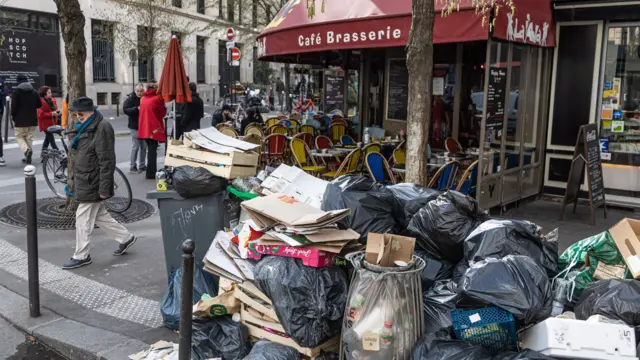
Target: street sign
230,34
231,44
235,63
235,54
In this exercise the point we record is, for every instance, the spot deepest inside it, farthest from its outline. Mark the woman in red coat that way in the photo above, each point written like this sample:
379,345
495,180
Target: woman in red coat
151,126
48,115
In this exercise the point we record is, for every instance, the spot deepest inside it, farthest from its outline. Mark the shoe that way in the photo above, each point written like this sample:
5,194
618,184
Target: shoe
2,162
28,156
74,263
142,168
134,170
124,247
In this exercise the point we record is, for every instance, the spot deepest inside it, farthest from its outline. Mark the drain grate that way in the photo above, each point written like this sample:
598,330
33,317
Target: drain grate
53,215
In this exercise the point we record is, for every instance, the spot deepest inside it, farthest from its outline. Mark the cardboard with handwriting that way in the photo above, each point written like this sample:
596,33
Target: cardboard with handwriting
310,257
385,249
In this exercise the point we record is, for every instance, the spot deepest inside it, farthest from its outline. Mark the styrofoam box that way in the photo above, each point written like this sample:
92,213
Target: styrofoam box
577,339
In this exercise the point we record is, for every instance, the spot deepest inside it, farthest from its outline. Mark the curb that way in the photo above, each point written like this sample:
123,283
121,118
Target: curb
72,339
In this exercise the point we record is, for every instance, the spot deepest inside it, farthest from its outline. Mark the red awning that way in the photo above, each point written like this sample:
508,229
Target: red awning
358,24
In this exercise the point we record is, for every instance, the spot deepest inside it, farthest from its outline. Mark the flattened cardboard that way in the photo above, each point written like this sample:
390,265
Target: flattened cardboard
605,272
384,249
625,234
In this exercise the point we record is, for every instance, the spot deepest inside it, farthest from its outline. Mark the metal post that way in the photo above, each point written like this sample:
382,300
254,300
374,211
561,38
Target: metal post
186,299
133,76
32,240
7,117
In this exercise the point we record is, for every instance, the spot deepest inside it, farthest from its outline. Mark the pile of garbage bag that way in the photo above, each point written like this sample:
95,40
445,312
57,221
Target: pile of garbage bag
614,298
190,182
431,347
309,301
412,198
267,350
219,337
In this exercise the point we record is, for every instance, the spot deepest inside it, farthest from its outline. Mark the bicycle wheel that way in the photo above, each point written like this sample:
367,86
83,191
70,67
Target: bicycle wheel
122,198
54,168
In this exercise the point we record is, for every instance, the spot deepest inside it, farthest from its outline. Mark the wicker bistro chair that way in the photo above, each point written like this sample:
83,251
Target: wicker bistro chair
229,131
445,176
272,121
273,149
300,152
307,138
468,181
347,140
349,165
379,168
253,131
336,131
371,148
323,142
278,129
309,129
253,138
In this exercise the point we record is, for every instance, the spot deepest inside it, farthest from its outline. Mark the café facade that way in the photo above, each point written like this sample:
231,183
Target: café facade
491,87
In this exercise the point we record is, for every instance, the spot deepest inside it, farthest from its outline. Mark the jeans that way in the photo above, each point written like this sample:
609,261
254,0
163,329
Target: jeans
87,216
152,158
138,150
49,140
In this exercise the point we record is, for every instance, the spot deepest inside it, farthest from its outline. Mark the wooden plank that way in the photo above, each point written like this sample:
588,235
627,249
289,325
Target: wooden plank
309,352
235,158
247,317
244,298
222,171
250,288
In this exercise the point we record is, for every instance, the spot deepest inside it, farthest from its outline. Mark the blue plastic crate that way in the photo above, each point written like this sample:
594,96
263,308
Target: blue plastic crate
493,328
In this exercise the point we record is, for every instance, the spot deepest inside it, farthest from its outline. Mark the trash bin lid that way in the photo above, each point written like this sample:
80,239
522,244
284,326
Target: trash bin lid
164,194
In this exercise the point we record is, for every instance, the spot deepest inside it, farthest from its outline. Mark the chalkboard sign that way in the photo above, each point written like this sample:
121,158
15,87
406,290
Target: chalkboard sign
333,93
586,156
398,94
496,97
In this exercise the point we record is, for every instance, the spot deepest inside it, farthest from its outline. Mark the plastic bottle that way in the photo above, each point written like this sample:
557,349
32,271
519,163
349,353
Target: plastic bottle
367,136
386,336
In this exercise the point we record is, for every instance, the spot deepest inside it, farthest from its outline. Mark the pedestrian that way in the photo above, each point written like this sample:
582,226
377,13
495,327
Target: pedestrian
93,151
25,102
48,115
131,107
279,90
222,115
3,106
192,113
151,126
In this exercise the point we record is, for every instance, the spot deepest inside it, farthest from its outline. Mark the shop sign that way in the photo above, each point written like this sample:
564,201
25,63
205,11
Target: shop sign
32,54
604,149
363,37
526,30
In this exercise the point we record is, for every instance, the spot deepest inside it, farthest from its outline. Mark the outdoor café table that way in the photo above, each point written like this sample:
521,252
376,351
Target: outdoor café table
398,170
331,153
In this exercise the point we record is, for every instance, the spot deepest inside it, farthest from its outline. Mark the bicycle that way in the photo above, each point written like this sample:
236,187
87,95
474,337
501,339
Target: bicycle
54,168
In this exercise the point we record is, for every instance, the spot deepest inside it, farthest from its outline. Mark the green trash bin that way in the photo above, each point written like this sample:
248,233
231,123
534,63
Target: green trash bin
198,219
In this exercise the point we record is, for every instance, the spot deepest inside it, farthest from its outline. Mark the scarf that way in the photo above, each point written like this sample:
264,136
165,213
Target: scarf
81,127
50,103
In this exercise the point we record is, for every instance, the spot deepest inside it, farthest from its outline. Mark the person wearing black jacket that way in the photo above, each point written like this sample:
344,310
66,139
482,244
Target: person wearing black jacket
131,107
25,102
3,104
191,113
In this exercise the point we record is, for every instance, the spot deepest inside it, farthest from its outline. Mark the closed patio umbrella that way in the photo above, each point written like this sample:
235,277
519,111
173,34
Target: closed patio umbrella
173,83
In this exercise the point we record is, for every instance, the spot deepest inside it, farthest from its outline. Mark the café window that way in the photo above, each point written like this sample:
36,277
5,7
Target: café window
620,91
146,71
201,56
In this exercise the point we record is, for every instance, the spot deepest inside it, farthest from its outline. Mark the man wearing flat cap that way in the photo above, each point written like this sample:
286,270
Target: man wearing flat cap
92,181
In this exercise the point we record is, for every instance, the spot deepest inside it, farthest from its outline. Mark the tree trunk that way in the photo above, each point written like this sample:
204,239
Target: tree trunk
75,50
420,67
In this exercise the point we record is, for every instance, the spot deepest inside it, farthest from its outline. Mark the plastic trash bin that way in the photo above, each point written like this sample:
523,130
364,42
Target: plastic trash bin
197,219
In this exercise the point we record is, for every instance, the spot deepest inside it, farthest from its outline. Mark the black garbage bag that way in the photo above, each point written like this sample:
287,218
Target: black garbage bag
267,350
499,238
192,181
203,283
437,305
526,354
309,301
616,299
219,337
433,348
373,207
328,356
459,270
441,226
434,270
412,198
514,283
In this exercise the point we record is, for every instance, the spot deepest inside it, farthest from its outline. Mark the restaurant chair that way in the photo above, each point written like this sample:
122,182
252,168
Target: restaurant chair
372,147
309,129
398,159
278,129
293,126
295,116
349,165
379,168
339,121
336,131
305,161
253,130
221,126
445,176
273,149
323,142
452,145
306,137
253,125
229,131
347,140
467,183
253,138
272,121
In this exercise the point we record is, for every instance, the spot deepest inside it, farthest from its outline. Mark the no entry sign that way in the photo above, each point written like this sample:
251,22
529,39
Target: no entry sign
235,54
230,34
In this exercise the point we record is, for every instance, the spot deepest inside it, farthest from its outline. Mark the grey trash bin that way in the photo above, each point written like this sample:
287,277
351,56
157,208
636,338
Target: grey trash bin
197,219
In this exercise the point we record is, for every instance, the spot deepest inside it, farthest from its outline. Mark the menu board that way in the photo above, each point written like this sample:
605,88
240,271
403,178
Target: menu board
398,94
586,156
496,97
333,92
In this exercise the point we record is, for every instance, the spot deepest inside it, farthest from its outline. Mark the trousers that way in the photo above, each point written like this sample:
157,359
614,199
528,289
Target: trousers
138,150
49,140
87,216
24,137
152,158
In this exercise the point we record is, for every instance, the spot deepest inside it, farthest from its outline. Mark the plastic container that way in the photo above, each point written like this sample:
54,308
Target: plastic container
492,328
577,339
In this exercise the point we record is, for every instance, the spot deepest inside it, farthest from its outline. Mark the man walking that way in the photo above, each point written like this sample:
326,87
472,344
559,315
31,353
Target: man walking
25,102
279,90
192,113
131,107
92,182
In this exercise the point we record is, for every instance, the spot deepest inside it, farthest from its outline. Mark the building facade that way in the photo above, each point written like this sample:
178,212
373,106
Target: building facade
32,44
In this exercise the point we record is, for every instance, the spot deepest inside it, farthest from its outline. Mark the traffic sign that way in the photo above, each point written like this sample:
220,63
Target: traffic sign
231,44
230,34
235,54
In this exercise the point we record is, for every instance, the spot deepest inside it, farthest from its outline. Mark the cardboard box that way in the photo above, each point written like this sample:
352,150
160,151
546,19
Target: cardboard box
223,259
385,249
294,182
625,234
310,257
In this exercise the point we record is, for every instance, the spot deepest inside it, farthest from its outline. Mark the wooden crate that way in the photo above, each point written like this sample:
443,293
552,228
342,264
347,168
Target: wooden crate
257,332
229,166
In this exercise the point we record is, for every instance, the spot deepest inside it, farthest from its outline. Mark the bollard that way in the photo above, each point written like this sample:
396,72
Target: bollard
32,240
186,299
118,109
